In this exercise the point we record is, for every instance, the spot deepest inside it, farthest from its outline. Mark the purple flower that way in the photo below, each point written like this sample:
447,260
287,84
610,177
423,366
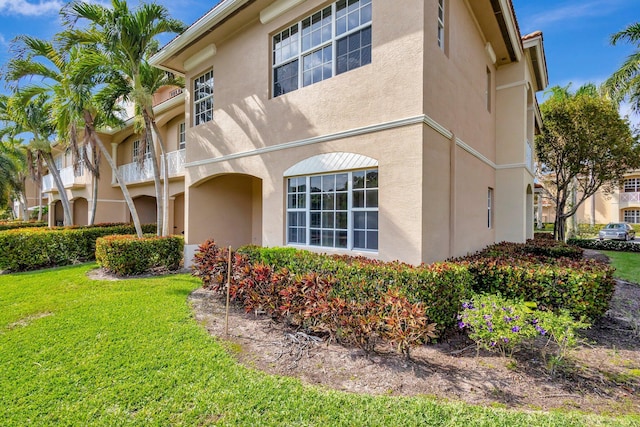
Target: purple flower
540,330
534,322
461,325
505,339
493,343
487,316
507,319
467,305
515,329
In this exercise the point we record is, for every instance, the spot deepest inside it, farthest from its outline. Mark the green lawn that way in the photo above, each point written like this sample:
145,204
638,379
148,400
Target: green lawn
627,265
77,352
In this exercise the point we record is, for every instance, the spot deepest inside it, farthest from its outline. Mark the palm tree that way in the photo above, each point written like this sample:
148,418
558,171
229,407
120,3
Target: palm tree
126,37
625,82
67,81
12,176
31,114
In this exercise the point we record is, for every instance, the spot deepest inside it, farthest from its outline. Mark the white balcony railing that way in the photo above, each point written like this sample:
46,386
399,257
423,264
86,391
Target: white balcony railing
135,173
175,162
529,156
69,179
630,197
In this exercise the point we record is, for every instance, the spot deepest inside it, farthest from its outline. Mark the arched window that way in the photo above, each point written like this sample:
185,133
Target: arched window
332,202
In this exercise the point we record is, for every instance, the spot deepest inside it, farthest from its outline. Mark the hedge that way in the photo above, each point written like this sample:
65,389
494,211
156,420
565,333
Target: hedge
605,245
352,299
12,225
33,248
127,255
552,274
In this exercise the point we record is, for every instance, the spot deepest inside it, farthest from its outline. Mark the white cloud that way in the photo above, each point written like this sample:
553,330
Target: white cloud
575,11
23,7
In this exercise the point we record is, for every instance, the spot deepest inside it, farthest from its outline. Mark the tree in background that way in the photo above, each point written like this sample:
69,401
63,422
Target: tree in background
584,145
625,82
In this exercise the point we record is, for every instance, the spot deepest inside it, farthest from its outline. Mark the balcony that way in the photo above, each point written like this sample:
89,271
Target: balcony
135,173
70,179
529,156
630,199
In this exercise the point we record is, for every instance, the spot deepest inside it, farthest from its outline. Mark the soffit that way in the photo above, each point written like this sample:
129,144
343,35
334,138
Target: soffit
498,26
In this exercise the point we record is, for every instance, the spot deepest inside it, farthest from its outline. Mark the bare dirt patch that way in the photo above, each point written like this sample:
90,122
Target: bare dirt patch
601,376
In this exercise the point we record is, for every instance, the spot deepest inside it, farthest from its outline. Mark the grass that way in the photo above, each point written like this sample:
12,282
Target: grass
627,265
74,351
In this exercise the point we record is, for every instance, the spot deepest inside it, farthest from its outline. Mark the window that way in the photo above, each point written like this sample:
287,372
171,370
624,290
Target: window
441,24
57,161
203,98
182,136
632,216
488,94
331,41
334,210
632,185
490,208
136,150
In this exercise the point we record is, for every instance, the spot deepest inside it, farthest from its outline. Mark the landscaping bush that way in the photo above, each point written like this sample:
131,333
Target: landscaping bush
498,324
354,299
33,248
127,255
543,250
12,225
605,245
583,287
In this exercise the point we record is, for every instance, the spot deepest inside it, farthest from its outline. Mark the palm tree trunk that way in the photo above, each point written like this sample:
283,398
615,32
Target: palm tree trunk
165,181
94,202
125,191
156,175
66,208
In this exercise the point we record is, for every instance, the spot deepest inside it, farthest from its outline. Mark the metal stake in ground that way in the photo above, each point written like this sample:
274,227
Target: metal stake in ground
226,317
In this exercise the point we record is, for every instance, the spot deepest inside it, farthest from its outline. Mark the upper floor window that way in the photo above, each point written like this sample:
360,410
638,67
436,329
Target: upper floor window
632,185
441,24
136,150
182,137
203,98
331,41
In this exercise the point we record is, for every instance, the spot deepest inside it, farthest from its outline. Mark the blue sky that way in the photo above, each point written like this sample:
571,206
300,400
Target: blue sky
576,32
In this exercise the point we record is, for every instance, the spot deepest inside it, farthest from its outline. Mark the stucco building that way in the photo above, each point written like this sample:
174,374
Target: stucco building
393,130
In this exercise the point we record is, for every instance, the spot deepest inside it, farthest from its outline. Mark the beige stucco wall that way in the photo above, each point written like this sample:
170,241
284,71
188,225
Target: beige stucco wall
433,194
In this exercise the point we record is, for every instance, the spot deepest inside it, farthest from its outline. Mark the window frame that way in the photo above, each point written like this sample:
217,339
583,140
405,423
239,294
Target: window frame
136,150
441,36
306,207
635,213
631,185
205,115
279,49
182,135
490,208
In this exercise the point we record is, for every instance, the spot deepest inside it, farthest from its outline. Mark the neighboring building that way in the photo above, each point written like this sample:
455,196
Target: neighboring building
623,204
396,131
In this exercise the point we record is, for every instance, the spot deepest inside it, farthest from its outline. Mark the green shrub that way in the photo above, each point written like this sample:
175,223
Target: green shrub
605,245
12,225
127,255
503,325
583,287
33,248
